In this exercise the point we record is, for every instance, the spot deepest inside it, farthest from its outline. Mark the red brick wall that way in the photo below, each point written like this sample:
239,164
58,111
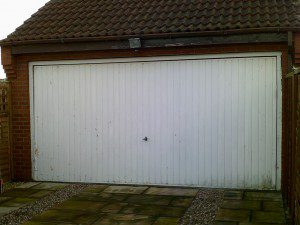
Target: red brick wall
8,61
297,49
291,108
5,172
20,87
5,156
295,197
291,188
296,178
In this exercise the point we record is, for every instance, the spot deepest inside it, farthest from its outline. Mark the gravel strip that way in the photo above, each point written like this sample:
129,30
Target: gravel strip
32,209
204,207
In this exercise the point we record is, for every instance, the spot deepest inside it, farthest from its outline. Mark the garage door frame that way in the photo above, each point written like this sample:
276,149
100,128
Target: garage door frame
277,55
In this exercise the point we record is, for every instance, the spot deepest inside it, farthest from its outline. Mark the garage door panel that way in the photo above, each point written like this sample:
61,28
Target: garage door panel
241,123
262,120
210,122
248,133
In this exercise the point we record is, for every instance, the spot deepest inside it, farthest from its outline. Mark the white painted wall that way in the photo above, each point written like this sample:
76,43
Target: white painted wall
210,121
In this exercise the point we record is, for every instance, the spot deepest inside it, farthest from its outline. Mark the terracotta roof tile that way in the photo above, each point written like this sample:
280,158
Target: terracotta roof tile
67,19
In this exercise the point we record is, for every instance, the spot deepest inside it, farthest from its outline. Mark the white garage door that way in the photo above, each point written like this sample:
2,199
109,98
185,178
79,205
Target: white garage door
189,121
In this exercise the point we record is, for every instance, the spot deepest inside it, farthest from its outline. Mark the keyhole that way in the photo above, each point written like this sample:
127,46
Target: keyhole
145,139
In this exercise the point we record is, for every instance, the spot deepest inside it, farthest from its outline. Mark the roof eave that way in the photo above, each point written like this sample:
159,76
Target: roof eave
5,42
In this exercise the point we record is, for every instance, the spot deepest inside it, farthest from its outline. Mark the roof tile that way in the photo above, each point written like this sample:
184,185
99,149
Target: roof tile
102,18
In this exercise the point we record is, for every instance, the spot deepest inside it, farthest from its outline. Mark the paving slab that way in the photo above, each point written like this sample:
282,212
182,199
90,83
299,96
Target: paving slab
81,205
124,219
234,195
262,207
172,191
231,215
17,202
273,206
149,199
19,193
5,210
103,197
88,198
50,186
113,207
262,195
113,197
4,199
126,189
154,210
166,221
69,216
95,189
182,201
242,204
261,223
48,223
268,217
28,185
41,194
88,194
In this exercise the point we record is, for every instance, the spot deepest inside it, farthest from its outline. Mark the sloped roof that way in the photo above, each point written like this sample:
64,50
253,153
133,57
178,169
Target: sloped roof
116,19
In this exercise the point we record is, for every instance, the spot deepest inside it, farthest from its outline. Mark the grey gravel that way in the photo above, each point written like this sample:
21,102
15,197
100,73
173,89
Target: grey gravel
30,210
204,207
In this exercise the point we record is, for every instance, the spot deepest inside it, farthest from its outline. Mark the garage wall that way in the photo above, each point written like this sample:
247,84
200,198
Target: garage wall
18,74
291,177
297,154
297,49
5,153
297,158
5,161
291,155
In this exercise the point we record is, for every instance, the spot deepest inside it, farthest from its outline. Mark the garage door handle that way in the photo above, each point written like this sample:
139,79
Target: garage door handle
145,139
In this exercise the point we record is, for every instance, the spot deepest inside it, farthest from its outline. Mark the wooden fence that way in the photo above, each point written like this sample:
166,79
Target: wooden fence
5,148
291,157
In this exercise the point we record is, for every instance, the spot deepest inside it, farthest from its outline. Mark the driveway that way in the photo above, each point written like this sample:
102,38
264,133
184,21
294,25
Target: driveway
70,204
26,194
103,204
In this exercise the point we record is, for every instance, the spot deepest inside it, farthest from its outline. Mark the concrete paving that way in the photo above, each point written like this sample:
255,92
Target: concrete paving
251,208
101,204
121,204
26,193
